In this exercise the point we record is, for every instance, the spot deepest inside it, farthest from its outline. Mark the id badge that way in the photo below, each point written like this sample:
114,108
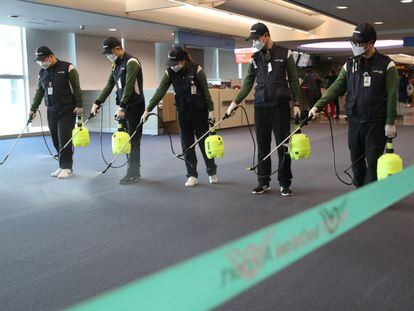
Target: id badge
367,80
193,90
269,67
50,90
119,84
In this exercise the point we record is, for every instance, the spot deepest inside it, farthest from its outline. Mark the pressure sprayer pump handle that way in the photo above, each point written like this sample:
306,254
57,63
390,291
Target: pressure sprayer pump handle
213,130
79,116
390,146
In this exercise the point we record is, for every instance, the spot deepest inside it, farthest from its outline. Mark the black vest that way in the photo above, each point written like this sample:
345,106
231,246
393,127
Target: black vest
183,82
56,77
119,74
367,103
271,87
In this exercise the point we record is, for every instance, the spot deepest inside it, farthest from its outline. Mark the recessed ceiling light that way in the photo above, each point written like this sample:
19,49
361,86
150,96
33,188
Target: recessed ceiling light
406,1
378,23
329,57
341,7
14,16
112,29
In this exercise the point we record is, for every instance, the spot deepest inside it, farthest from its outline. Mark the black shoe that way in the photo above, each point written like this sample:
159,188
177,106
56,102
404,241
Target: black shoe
129,179
336,117
261,189
286,191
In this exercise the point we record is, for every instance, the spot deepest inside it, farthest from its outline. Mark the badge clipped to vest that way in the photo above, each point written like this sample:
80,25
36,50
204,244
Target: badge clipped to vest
193,88
269,67
50,89
367,79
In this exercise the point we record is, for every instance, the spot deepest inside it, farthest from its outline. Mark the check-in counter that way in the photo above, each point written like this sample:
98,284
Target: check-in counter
221,99
226,97
215,96
248,104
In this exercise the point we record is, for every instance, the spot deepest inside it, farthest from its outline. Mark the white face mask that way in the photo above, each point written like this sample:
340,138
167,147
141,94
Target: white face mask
176,68
258,45
111,57
358,50
44,65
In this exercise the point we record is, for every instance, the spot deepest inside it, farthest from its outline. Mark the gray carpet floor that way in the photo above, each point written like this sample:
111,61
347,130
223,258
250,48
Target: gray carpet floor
63,241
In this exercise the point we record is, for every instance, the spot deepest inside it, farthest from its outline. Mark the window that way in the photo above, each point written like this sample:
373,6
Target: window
12,105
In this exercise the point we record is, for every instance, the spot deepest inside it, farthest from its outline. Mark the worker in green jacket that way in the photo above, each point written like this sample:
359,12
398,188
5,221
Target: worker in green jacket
126,75
58,85
371,82
194,108
274,70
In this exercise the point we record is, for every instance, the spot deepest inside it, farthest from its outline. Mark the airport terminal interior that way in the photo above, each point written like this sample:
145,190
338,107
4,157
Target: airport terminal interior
206,155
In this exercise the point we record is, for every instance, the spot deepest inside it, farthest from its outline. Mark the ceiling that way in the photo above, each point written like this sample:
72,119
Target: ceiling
397,17
290,22
154,20
40,16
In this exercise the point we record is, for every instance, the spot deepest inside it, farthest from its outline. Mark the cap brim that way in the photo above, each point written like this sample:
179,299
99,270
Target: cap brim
107,51
252,37
356,38
41,57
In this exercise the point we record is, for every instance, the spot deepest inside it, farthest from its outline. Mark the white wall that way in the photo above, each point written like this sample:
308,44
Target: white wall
93,67
145,52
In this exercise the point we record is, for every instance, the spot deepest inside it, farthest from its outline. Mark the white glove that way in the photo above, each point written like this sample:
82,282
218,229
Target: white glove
144,117
390,131
32,115
296,111
95,109
211,117
231,108
313,113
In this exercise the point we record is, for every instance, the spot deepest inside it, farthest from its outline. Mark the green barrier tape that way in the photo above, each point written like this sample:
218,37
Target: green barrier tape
210,279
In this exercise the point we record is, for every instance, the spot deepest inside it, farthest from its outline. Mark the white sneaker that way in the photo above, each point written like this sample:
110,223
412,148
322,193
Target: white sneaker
65,173
191,182
213,179
56,173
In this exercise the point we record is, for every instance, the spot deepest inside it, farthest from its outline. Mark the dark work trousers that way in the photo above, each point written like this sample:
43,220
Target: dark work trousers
274,119
196,125
132,118
365,138
61,122
336,100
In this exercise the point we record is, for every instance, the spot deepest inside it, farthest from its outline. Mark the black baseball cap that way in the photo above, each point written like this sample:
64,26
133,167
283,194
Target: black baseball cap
109,43
175,55
42,52
363,33
257,30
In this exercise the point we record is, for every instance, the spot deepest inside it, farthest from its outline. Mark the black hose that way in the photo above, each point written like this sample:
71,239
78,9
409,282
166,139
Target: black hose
255,148
101,145
56,157
334,158
178,156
